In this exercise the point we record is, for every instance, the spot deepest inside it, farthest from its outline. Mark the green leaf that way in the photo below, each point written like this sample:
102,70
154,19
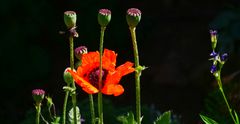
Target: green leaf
207,120
236,117
165,118
127,119
71,117
56,120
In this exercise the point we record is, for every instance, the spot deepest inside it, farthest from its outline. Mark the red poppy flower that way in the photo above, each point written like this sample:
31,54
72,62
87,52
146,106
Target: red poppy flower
87,75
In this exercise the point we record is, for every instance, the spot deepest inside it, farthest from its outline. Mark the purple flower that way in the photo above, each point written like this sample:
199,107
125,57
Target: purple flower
213,54
224,57
213,69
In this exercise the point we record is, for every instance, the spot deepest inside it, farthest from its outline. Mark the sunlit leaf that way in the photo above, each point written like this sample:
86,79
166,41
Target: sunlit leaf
207,120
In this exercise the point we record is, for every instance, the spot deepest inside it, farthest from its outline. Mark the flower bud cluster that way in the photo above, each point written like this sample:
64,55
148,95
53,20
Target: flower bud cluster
217,59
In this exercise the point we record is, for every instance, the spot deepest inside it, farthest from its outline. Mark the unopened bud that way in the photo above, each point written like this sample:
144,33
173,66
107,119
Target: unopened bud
67,76
104,17
133,17
70,19
38,95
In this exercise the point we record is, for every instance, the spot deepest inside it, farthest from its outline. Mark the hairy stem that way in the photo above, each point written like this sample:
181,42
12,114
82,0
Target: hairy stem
100,105
74,99
137,74
92,109
65,107
38,111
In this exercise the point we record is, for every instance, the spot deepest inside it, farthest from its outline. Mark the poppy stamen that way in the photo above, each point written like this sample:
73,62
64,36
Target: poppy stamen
93,77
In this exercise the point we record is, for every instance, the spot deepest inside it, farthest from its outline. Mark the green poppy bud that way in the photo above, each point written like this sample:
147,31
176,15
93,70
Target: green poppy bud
70,19
133,17
104,17
67,76
38,95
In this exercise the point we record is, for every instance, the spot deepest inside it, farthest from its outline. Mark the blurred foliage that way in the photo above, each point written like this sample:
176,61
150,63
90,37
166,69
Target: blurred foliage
127,119
111,113
165,118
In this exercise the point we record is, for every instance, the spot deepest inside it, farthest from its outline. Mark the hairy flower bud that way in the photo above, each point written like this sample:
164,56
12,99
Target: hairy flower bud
67,76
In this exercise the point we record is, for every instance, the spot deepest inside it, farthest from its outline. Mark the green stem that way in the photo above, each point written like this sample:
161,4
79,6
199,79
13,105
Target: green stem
92,109
100,108
74,99
100,105
65,107
225,98
137,74
38,111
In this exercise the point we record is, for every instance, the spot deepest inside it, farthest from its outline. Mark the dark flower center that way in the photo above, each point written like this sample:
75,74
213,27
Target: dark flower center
93,76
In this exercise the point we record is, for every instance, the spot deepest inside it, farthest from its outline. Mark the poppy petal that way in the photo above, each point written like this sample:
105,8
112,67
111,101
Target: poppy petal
110,55
90,58
113,78
89,62
113,89
87,87
125,68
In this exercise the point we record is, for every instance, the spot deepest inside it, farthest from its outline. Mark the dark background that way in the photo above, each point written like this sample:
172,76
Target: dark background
173,38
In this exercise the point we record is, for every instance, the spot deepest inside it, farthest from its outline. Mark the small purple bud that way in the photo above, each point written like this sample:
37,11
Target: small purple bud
213,69
224,57
38,95
79,51
213,34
